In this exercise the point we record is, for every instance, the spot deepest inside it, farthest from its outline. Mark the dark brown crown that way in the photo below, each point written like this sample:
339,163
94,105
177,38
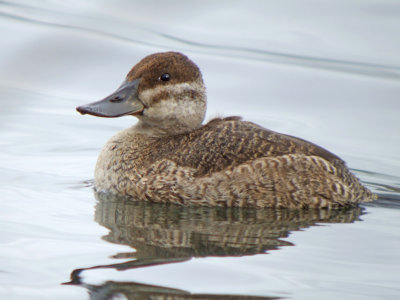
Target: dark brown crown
152,67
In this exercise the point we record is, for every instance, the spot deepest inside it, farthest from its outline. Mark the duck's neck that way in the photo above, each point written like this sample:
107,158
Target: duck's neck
152,130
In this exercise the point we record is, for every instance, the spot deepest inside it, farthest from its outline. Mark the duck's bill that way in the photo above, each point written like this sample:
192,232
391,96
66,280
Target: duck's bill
124,101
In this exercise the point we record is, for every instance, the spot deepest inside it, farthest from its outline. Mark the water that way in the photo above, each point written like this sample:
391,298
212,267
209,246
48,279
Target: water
327,72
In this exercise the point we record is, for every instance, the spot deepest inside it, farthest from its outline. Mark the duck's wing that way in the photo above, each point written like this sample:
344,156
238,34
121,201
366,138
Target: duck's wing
228,142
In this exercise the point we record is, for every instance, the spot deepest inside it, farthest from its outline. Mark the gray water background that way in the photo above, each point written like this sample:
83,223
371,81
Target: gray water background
326,71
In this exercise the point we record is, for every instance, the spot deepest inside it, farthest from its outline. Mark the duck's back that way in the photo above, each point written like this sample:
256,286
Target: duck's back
230,162
229,142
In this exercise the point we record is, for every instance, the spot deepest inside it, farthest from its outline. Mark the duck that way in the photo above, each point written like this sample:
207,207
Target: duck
170,156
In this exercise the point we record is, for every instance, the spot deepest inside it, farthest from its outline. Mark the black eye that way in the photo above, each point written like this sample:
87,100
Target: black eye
165,77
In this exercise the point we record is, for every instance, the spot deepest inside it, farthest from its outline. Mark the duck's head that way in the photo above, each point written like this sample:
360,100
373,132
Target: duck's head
165,91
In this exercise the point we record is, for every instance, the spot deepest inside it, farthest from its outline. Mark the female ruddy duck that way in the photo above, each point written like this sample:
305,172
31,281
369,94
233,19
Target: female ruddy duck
169,156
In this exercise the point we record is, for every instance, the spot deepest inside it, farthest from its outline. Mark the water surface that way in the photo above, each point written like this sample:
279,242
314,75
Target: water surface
326,72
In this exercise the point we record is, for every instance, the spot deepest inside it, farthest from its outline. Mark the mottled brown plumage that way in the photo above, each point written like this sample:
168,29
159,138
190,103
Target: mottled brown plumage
227,143
170,157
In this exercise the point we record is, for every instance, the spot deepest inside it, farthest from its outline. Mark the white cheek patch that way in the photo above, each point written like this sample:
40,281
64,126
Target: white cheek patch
171,108
164,108
177,112
172,89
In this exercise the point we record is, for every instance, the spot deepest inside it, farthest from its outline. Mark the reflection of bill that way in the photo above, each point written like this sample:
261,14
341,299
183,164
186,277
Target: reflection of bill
168,233
134,290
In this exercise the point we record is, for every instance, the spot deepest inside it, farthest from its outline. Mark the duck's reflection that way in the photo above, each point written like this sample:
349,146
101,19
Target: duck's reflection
160,231
165,233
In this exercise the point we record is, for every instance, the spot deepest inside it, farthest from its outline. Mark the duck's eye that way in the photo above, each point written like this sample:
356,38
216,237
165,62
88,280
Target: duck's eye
165,77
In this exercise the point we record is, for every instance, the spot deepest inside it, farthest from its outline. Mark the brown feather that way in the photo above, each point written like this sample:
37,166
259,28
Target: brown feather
229,142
